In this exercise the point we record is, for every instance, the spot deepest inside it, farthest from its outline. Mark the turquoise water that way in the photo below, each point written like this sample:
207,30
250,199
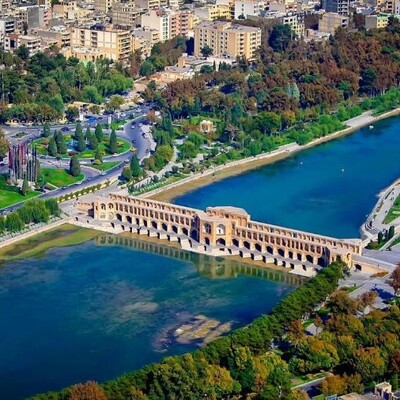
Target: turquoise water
328,189
94,312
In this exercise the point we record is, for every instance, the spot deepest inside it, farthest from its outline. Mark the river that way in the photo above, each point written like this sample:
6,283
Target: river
107,306
328,189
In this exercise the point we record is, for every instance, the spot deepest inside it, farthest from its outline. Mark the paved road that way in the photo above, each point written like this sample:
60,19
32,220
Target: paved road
131,132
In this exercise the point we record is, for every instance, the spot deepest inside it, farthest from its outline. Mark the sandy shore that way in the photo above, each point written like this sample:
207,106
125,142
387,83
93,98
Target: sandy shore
169,192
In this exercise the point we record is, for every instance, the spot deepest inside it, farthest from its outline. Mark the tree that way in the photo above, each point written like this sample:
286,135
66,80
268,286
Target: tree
22,52
99,133
333,384
78,131
46,129
52,147
4,144
391,232
72,113
60,142
14,222
380,237
93,143
367,299
88,133
126,174
25,187
86,391
74,166
394,280
52,206
98,156
280,37
115,102
135,167
113,142
206,51
369,363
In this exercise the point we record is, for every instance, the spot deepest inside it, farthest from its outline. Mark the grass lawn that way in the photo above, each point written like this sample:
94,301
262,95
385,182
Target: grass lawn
394,212
65,235
117,124
60,177
8,197
106,165
104,146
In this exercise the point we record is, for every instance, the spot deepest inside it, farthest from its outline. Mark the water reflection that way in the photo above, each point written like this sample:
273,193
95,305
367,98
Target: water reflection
206,266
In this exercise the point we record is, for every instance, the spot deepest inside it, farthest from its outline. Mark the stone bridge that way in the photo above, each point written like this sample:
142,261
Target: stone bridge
219,231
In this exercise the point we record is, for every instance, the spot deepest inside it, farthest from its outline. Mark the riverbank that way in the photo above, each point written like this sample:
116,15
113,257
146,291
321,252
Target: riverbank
169,192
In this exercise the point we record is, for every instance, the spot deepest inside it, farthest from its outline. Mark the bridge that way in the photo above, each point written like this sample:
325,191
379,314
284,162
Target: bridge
219,231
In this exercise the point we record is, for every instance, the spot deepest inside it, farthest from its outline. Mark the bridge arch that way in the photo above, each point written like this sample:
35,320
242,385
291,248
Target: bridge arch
221,242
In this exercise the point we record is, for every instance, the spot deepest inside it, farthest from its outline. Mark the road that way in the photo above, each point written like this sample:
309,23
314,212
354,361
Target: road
131,132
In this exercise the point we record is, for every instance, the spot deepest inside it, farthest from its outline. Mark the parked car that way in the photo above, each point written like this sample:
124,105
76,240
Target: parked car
65,129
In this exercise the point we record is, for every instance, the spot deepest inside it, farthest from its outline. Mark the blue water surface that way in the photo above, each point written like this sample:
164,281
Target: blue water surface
328,189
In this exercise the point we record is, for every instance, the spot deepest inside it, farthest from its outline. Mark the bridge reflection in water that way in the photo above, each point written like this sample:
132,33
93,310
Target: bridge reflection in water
207,266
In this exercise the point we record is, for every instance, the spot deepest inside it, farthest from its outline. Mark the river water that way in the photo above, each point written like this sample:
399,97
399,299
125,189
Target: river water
328,189
107,306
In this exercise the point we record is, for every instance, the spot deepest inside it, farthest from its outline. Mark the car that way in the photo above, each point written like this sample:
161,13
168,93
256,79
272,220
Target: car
89,179
65,129
133,141
103,173
127,160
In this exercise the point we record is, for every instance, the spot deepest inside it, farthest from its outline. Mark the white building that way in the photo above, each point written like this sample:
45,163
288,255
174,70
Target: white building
243,8
158,20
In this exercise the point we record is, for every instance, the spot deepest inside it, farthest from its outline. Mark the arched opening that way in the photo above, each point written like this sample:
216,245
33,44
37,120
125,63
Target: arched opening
119,217
246,245
270,250
258,247
281,252
174,228
123,227
321,262
310,259
358,267
129,219
220,229
154,224
137,221
164,227
112,225
221,242
207,241
299,256
235,242
185,231
145,223
207,228
195,235
290,254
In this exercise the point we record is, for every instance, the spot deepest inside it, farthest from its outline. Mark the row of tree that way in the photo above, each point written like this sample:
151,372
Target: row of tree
32,211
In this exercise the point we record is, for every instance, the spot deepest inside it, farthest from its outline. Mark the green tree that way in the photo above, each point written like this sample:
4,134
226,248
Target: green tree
14,222
46,129
280,37
25,187
78,131
206,51
71,114
52,206
98,155
369,363
391,232
126,174
52,147
93,143
88,133
99,133
2,224
74,166
135,167
113,142
4,144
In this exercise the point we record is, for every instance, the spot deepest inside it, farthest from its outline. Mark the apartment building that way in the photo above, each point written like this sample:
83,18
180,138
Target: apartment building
332,21
106,42
341,7
243,8
126,14
159,20
295,21
103,5
144,39
214,12
226,39
58,35
151,4
181,22
378,21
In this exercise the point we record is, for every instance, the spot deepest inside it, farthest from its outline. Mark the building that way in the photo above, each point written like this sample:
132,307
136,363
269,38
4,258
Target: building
101,42
295,21
332,21
384,390
181,22
160,21
103,5
213,12
150,4
206,126
126,14
336,6
226,39
243,8
378,21
58,35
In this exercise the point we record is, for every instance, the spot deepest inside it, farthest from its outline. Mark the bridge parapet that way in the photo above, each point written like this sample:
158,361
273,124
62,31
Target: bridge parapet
225,228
